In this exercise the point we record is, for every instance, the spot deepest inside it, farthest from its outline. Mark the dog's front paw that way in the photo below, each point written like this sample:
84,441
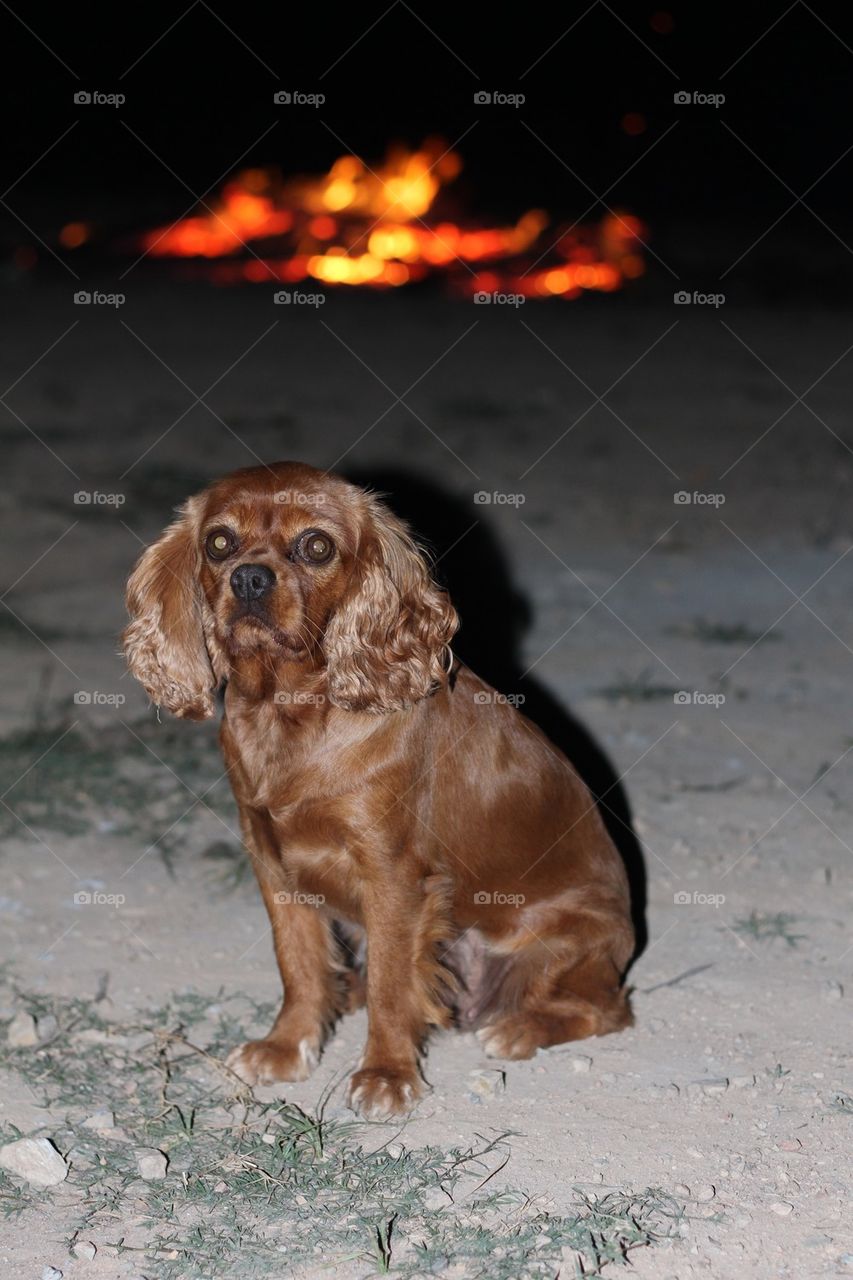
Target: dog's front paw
378,1093
268,1061
512,1037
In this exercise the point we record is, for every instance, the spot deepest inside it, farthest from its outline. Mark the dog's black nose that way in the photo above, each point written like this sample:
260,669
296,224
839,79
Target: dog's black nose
251,581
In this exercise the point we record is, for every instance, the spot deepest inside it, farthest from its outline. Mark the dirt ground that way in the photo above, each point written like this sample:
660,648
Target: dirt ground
705,645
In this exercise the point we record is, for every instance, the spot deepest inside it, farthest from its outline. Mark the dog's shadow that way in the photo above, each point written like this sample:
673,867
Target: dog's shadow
495,616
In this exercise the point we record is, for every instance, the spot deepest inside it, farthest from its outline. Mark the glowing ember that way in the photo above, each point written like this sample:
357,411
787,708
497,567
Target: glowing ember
359,226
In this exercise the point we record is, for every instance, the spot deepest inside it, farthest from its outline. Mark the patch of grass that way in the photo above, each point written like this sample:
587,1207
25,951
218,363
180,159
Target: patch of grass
231,867
720,632
764,928
638,689
260,1189
138,780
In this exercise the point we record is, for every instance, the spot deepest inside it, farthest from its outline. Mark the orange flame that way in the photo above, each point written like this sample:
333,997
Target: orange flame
359,226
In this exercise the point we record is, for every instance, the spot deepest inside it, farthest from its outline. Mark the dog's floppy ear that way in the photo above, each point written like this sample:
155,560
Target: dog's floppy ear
166,642
387,644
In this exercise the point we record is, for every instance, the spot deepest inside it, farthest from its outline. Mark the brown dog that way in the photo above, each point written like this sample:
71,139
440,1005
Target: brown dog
385,792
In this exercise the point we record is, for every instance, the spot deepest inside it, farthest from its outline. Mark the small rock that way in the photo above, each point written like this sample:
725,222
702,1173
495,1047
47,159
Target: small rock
47,1028
22,1032
487,1084
831,990
782,1208
36,1160
84,1249
100,1120
580,1064
790,1144
221,1187
51,1273
742,1082
713,1088
394,1150
269,1139
682,1190
152,1165
705,1192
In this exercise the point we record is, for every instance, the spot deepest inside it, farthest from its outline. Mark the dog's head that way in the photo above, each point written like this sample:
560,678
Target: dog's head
287,565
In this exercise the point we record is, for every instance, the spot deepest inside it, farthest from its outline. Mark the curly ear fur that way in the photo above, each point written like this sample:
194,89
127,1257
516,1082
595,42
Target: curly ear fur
387,643
168,642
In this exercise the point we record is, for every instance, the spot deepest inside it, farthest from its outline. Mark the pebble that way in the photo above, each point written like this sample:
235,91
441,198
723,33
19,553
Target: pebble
486,1084
681,1189
790,1144
100,1120
715,1087
782,1208
581,1064
394,1150
22,1032
705,1192
36,1160
152,1165
51,1273
831,990
47,1028
742,1082
84,1249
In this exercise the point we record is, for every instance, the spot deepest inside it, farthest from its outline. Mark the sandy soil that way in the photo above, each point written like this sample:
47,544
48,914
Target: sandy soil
733,1090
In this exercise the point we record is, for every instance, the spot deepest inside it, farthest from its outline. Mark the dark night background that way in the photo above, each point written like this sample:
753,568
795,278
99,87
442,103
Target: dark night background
200,100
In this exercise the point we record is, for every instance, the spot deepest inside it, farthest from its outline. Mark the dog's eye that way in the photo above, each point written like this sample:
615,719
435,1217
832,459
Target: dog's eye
220,543
315,547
